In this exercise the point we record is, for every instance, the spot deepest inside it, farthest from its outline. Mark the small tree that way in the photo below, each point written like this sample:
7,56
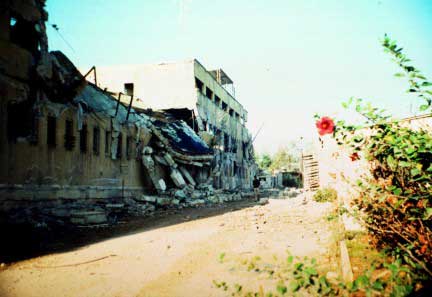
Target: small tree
264,161
284,158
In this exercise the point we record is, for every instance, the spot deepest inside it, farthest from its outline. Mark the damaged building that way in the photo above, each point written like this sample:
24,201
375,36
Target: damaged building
203,99
71,152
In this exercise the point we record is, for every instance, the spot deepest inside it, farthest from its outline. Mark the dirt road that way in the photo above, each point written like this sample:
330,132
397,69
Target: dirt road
181,259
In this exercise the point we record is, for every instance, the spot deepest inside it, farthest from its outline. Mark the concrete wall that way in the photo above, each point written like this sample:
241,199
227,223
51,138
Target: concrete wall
173,85
204,76
336,168
31,171
37,171
159,86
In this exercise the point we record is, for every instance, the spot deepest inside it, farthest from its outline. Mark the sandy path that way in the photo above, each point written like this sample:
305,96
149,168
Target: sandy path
179,260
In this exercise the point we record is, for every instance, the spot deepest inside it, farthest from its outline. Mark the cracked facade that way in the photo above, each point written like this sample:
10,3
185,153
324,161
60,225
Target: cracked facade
71,152
205,96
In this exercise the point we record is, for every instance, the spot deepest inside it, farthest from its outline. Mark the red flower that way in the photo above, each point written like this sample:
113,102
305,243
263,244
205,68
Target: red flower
325,126
355,157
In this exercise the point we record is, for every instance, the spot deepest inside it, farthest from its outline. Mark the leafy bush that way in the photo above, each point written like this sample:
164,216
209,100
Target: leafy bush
325,195
397,196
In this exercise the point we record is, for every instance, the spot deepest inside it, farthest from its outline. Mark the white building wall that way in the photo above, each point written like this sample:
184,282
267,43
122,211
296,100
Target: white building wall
159,86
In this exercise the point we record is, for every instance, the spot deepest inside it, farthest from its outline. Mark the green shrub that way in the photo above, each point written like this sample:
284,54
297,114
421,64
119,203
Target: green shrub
396,198
325,195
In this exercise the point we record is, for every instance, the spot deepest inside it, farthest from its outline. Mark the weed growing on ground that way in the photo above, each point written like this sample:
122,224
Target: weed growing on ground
290,277
300,276
325,195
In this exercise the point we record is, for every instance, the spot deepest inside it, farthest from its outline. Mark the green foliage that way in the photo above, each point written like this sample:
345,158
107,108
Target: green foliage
325,195
284,158
292,276
388,279
264,161
302,276
221,257
397,197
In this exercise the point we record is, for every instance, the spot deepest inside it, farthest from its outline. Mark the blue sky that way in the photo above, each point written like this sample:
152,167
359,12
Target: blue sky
289,59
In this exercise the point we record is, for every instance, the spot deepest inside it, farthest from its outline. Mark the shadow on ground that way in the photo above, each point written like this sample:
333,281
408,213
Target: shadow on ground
21,242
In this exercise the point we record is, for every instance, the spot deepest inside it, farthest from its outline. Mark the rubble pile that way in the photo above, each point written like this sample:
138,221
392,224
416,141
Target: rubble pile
73,153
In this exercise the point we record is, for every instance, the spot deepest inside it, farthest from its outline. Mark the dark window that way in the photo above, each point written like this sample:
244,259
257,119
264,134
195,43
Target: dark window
204,125
209,93
119,146
224,106
51,131
34,138
129,89
83,139
107,143
96,140
22,121
69,138
231,112
226,142
128,147
199,84
23,33
217,100
234,145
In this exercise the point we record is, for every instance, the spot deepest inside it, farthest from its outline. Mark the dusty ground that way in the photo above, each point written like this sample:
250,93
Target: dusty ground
180,259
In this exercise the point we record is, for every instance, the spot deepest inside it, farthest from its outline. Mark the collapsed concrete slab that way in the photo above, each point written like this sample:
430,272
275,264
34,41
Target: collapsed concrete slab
72,152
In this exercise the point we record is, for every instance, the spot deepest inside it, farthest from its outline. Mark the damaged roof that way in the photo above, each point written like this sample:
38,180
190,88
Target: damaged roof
177,133
182,138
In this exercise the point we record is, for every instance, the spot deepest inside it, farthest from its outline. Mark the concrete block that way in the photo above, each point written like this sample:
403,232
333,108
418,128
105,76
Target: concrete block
236,197
160,185
196,194
263,201
163,201
187,175
148,162
150,208
70,193
213,199
78,221
88,217
197,202
147,150
180,194
177,178
170,160
60,212
21,195
96,218
146,198
45,194
161,160
347,273
114,205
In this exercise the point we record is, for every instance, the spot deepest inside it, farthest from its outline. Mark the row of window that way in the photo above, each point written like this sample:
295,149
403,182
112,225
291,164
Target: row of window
211,96
69,139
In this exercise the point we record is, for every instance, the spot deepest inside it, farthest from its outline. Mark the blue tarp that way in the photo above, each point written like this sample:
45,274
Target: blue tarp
182,138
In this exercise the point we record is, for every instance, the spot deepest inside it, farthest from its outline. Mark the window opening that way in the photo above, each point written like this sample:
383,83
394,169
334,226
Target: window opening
69,138
96,140
83,139
51,131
